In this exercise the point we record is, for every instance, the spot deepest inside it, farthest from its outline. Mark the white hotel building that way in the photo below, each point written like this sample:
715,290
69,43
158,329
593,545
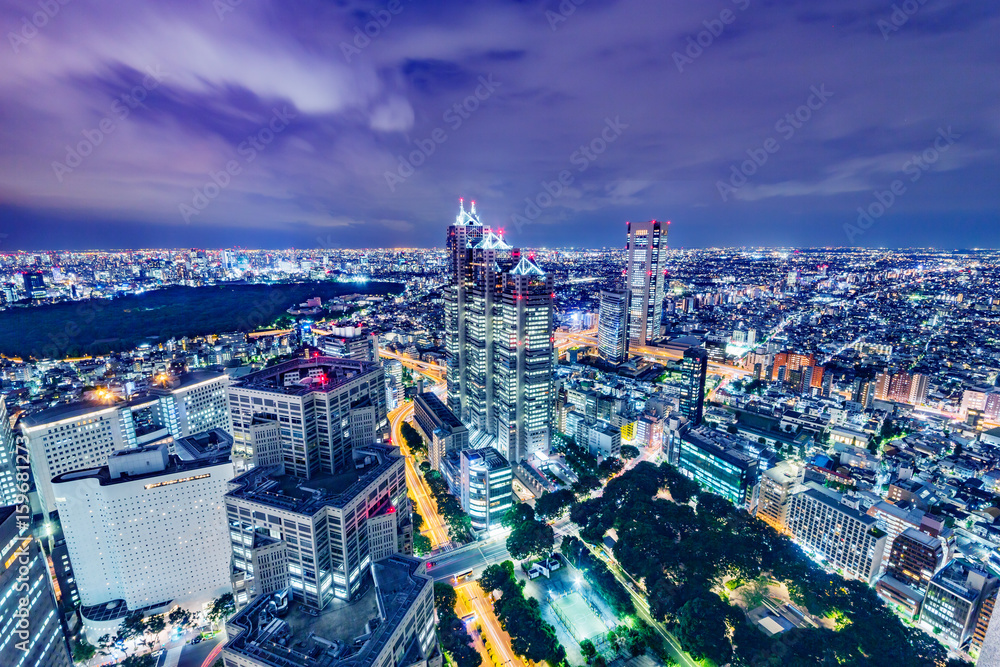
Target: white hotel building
147,530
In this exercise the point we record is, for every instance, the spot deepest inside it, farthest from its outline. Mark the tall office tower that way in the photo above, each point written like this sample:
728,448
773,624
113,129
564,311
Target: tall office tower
391,623
84,435
324,406
645,278
524,359
8,457
498,321
147,530
612,334
953,601
467,231
328,529
694,370
32,633
776,486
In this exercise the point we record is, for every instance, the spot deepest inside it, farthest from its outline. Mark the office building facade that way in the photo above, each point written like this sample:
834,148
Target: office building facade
694,371
498,321
147,529
645,279
443,430
482,481
954,598
9,491
324,407
612,331
718,466
32,632
331,527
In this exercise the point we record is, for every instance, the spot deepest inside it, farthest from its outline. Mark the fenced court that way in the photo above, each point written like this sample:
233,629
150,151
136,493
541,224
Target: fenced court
581,621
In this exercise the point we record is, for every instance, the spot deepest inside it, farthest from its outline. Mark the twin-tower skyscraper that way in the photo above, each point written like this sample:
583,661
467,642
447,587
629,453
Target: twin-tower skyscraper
498,338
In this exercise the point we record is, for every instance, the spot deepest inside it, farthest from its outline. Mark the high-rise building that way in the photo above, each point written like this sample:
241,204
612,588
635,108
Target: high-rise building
645,279
324,406
34,285
498,322
327,530
467,231
836,534
915,557
8,457
443,430
715,461
901,387
482,481
954,598
612,334
83,435
390,623
131,526
694,371
776,486
32,633
348,342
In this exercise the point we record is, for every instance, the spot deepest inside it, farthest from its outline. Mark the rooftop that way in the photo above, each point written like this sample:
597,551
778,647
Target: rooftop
303,376
269,487
347,634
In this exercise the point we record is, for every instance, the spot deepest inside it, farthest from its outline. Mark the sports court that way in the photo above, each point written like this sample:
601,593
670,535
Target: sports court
578,617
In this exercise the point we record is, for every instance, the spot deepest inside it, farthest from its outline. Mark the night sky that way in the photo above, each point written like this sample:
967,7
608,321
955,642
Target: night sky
214,123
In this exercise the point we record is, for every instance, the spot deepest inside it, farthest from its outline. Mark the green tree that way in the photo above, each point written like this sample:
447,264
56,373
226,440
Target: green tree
222,608
179,617
611,465
83,650
421,544
629,452
133,625
588,650
553,504
154,626
144,660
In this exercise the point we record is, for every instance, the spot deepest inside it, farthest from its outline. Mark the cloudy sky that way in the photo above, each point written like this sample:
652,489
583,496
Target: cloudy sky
214,123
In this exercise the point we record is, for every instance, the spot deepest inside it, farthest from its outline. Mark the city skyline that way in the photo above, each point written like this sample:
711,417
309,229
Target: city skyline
290,127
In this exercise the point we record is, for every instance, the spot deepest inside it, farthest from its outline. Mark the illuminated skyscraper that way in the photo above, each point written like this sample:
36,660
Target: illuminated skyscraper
694,368
498,322
466,232
647,261
611,332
